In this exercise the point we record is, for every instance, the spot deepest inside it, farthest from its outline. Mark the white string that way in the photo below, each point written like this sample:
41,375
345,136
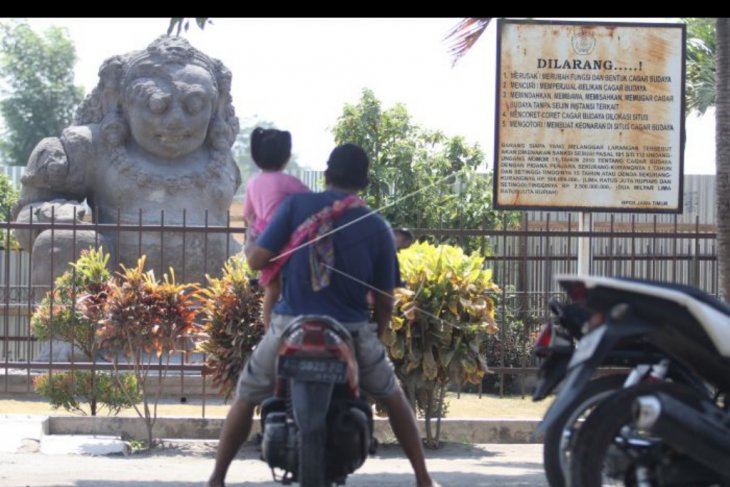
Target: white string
377,210
384,293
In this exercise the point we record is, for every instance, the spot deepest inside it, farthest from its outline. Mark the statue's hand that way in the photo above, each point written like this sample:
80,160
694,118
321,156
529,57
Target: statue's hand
58,211
48,166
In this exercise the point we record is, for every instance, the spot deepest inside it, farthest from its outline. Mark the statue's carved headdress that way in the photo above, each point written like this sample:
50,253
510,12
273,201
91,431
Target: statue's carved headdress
170,50
104,104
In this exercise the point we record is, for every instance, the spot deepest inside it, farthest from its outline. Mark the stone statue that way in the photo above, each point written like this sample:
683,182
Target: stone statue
151,144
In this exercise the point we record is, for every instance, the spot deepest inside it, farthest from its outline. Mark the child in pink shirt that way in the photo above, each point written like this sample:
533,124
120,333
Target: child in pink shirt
270,150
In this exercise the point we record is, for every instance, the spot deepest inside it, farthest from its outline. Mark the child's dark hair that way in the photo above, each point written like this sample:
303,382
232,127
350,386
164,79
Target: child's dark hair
270,148
406,233
406,238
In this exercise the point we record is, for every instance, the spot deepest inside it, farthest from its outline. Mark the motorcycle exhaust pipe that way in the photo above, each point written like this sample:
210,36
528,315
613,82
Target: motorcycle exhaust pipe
698,434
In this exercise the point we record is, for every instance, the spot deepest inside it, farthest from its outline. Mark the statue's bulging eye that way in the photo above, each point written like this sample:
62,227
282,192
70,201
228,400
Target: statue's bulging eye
157,103
194,103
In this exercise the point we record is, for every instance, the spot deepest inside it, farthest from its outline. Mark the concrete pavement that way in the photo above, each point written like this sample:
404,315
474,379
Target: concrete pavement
188,464
34,454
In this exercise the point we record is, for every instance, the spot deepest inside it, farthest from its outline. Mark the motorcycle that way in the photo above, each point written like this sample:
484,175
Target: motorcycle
555,346
317,428
689,328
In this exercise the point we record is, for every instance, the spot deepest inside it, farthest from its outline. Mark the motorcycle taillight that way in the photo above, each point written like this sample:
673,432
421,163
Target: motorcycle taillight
543,340
313,334
577,291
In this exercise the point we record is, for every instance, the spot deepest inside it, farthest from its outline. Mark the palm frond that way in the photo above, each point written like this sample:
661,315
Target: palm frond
463,36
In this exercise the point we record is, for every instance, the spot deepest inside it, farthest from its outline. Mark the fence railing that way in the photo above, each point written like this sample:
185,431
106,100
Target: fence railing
524,259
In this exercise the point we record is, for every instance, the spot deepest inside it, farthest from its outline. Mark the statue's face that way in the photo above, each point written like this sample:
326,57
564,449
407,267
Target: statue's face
168,115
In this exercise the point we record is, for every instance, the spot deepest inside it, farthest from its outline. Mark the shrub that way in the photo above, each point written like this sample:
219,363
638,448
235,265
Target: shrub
70,390
439,321
59,316
231,323
143,318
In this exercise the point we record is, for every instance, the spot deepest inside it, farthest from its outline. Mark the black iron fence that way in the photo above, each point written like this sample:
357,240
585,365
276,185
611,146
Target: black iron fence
524,258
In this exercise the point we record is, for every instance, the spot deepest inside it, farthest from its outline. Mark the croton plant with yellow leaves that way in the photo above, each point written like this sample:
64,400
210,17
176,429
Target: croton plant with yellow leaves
439,322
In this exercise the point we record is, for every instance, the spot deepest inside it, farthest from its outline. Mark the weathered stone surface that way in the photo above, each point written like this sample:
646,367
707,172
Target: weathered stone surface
150,145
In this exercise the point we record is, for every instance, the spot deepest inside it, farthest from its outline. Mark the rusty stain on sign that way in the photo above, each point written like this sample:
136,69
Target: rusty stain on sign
590,116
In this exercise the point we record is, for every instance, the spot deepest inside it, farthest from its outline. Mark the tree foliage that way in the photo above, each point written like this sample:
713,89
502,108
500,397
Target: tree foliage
722,157
39,96
8,196
701,53
418,177
177,24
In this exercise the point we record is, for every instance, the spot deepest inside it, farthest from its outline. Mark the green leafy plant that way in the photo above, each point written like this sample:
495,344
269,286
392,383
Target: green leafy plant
8,196
440,319
512,346
231,323
146,321
420,178
39,94
72,389
59,316
137,446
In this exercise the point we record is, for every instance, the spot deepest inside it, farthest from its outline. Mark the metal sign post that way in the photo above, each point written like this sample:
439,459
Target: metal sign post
584,244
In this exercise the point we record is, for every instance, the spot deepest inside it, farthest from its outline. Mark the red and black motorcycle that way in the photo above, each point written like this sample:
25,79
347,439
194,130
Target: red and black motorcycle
316,429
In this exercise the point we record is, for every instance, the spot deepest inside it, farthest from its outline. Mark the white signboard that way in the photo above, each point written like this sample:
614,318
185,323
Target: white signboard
590,116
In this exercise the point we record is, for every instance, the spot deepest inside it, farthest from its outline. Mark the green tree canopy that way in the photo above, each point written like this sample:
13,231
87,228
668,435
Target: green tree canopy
722,154
39,96
8,196
177,24
701,53
418,177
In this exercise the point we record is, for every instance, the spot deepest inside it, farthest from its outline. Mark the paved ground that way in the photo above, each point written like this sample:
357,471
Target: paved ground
188,463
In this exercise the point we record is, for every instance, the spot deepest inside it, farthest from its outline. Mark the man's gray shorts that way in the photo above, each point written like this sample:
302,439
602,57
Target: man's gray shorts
377,376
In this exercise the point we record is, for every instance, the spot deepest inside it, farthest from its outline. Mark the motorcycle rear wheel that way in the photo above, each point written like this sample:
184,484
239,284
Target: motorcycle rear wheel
603,425
559,438
312,465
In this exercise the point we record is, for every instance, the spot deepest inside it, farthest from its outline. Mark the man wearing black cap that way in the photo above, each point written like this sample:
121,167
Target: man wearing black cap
354,252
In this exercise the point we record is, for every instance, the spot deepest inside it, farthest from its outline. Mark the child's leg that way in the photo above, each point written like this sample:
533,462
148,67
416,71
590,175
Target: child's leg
271,296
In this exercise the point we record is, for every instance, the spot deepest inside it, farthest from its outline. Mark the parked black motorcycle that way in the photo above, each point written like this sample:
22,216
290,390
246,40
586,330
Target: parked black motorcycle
316,430
627,437
556,345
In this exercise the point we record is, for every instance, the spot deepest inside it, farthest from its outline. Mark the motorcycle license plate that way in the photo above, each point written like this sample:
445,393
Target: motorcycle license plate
312,369
587,346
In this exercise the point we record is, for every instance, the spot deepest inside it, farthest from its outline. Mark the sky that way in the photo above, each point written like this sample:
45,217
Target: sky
299,73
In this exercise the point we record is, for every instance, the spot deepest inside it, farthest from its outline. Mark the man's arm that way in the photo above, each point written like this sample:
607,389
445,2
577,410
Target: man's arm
383,310
257,256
